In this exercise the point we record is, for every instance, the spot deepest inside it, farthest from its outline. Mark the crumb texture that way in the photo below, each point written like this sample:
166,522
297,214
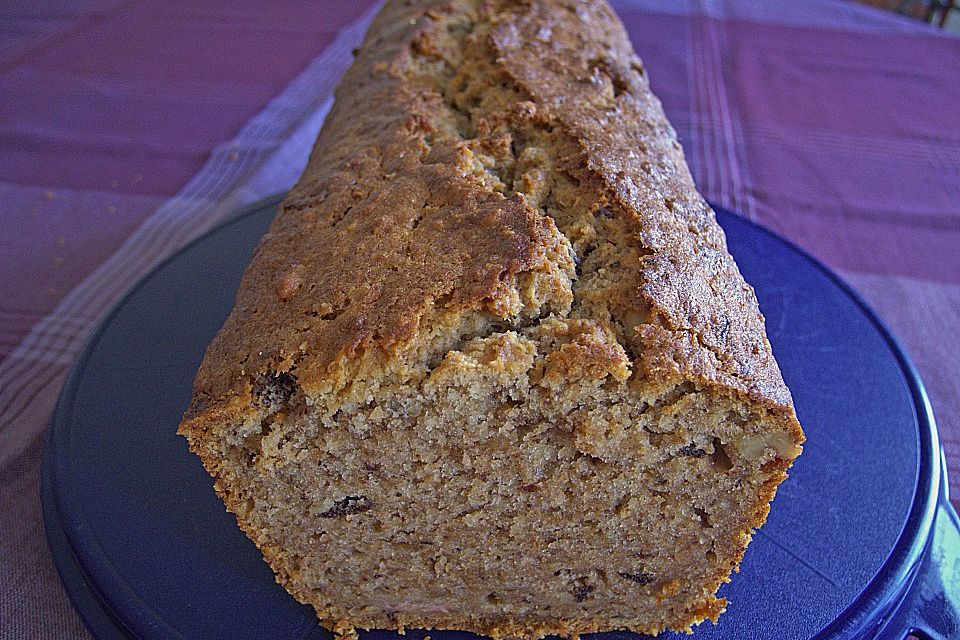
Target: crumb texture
492,367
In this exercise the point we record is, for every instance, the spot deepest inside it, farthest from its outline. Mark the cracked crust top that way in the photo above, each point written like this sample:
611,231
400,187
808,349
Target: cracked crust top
497,160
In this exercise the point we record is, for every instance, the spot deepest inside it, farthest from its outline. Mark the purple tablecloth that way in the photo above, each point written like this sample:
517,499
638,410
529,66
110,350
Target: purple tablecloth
127,128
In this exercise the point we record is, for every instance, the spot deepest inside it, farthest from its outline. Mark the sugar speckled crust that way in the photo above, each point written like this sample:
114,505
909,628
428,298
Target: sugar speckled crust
491,166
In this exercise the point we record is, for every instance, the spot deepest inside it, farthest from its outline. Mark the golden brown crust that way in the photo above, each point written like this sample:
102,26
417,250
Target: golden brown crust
495,164
420,240
405,227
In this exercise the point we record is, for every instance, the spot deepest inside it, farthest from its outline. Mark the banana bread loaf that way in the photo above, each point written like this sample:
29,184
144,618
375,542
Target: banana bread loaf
492,367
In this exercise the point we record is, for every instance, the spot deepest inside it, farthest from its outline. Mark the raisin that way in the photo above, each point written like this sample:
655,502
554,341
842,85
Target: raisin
582,591
640,578
723,329
693,451
348,506
275,389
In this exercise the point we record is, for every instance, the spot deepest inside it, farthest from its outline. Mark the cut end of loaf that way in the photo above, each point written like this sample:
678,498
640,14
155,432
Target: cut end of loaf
522,486
493,368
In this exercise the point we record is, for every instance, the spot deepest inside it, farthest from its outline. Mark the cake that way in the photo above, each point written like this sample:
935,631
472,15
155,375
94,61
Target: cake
492,367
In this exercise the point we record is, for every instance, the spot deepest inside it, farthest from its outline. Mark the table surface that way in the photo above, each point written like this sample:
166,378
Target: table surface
129,127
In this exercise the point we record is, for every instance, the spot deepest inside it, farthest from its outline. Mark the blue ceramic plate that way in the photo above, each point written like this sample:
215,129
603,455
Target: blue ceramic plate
860,542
